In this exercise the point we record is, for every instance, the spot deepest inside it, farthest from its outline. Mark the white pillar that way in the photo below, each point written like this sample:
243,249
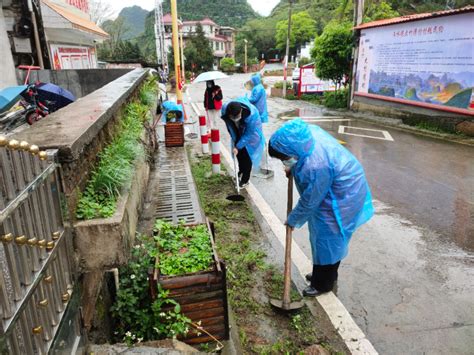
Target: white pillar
7,67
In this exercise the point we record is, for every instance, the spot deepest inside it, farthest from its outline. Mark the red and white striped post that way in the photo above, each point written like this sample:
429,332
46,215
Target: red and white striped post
216,151
204,135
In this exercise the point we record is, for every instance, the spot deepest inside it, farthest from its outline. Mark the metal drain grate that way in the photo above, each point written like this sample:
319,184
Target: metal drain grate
178,199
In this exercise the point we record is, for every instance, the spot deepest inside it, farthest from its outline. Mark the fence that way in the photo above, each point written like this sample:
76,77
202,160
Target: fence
36,279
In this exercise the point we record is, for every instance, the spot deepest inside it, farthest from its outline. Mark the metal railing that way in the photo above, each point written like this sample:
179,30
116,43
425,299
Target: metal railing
36,279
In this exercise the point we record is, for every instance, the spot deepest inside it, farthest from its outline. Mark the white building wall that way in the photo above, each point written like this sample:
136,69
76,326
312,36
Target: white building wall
7,67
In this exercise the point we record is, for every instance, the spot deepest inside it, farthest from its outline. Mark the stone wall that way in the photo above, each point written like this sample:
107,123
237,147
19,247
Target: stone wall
80,82
413,115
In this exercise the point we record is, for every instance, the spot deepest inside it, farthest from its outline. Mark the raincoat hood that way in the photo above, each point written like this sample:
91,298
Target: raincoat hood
258,97
256,79
283,140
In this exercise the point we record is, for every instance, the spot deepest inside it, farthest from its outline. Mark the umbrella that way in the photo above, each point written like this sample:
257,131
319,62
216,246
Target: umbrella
60,97
9,96
210,75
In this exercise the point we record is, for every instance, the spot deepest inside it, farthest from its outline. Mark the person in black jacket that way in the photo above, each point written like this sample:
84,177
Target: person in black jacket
212,103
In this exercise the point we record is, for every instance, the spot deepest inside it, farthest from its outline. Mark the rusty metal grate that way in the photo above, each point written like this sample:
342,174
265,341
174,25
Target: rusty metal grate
178,199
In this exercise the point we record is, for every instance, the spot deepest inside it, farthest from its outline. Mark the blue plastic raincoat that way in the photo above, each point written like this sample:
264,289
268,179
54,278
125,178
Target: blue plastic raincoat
171,106
335,198
251,135
259,97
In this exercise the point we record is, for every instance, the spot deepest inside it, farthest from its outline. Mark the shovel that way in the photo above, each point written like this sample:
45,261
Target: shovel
286,304
238,197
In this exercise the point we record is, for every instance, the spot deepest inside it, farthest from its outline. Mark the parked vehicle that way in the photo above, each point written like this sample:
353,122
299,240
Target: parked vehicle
30,102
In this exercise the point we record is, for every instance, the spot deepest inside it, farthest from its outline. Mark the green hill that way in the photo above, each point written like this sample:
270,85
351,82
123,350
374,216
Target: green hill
232,13
134,18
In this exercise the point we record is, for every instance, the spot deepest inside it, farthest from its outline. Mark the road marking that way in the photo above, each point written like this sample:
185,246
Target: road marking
349,331
316,118
386,134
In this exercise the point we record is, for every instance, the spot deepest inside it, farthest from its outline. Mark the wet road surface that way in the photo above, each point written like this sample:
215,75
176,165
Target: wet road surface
409,278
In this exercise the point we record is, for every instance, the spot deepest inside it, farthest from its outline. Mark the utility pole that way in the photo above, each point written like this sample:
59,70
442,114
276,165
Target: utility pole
177,69
358,18
285,68
245,65
182,51
161,50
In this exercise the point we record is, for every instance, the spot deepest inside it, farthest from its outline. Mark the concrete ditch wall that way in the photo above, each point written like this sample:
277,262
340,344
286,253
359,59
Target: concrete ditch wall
80,82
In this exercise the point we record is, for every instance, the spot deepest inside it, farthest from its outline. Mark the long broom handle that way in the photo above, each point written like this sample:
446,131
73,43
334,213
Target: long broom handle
287,275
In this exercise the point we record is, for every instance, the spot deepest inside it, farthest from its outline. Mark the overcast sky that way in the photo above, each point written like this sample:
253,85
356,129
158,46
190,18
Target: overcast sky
263,7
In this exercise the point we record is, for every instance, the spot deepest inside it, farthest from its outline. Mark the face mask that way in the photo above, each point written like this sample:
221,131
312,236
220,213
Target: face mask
289,163
237,118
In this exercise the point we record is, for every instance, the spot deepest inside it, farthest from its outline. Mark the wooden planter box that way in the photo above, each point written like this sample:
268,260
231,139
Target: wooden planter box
203,298
174,134
279,92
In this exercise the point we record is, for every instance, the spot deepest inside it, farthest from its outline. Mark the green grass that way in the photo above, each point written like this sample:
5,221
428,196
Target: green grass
115,166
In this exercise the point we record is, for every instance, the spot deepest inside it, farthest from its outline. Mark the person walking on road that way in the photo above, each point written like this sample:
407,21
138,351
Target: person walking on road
335,198
245,129
212,103
259,97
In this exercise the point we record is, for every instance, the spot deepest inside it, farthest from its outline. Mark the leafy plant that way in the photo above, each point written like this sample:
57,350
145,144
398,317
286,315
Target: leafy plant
139,317
182,249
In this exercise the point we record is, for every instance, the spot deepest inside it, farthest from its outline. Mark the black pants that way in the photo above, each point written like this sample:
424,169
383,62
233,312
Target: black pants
245,165
324,277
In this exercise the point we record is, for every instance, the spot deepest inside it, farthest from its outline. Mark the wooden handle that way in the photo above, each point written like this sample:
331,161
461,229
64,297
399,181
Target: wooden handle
287,274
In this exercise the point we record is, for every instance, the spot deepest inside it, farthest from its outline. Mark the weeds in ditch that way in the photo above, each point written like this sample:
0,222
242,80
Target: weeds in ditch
115,166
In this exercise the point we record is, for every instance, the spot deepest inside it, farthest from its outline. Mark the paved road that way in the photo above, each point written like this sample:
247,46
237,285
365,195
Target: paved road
408,281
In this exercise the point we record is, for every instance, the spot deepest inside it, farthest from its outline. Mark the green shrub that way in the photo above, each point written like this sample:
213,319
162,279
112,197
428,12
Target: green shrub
279,85
227,64
336,99
304,61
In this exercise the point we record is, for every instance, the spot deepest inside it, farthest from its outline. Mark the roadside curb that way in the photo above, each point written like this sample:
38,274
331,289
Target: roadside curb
348,330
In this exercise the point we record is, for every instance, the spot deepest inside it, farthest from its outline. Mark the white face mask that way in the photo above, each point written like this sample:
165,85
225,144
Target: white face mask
289,163
237,118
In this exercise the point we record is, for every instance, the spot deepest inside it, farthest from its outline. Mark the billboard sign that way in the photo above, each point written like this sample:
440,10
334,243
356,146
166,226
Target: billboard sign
310,83
428,63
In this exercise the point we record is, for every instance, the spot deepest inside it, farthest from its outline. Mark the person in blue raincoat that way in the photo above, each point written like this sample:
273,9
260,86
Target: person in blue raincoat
171,112
245,128
335,198
259,97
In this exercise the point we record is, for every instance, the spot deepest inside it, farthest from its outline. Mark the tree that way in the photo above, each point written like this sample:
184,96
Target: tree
378,10
332,52
303,29
198,52
227,64
252,52
100,11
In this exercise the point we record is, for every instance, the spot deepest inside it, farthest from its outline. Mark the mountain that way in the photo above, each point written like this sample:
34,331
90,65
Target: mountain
134,20
234,13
